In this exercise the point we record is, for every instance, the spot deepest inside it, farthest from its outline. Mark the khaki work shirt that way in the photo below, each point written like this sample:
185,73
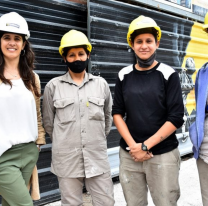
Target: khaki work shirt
78,119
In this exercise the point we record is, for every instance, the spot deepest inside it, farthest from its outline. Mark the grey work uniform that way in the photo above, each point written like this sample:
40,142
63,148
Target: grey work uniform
78,119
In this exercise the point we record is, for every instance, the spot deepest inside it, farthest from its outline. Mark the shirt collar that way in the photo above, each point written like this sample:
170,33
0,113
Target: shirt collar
67,78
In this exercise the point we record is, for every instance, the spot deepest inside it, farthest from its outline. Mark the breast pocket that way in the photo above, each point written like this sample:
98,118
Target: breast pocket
96,108
65,110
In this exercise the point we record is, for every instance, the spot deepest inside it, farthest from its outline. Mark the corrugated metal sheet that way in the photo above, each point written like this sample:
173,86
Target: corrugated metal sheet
107,29
48,20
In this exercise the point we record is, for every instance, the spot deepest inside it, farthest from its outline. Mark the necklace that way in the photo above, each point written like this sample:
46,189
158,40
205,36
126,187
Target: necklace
12,74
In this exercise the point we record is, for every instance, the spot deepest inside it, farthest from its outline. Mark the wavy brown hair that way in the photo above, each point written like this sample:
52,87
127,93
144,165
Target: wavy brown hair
26,66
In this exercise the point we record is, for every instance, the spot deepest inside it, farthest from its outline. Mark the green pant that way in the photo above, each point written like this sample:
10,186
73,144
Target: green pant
16,166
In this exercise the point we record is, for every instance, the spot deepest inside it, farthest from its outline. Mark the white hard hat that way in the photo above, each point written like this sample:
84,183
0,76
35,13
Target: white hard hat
14,23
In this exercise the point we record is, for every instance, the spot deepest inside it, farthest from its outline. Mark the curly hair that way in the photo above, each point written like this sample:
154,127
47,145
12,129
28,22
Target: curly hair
26,66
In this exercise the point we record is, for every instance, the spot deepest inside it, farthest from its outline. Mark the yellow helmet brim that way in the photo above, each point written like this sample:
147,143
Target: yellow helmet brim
205,27
140,23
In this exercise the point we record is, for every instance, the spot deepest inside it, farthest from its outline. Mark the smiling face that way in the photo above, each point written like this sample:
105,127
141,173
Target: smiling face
11,45
144,45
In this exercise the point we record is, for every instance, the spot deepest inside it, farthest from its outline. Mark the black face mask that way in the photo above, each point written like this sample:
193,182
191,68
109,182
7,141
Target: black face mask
147,62
77,66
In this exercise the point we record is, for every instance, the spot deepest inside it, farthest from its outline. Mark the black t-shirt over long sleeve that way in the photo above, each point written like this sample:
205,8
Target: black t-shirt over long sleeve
149,99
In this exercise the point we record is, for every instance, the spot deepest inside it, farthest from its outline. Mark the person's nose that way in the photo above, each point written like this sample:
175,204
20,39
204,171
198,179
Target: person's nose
144,45
12,42
77,58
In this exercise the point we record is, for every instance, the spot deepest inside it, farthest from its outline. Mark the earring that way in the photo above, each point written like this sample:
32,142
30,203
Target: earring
22,52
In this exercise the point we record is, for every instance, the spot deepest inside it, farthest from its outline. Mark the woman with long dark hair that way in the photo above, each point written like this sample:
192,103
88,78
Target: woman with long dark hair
20,118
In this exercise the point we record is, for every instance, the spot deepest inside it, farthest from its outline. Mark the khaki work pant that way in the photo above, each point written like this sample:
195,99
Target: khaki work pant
100,188
160,174
203,177
16,166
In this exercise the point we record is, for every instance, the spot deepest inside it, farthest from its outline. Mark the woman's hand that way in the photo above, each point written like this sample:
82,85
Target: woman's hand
38,146
148,156
138,154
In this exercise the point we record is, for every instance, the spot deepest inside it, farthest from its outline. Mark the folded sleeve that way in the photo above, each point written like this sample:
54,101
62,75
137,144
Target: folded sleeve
41,132
48,111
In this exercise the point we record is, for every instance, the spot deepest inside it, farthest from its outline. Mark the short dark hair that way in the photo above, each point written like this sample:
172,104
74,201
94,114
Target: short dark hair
66,49
150,30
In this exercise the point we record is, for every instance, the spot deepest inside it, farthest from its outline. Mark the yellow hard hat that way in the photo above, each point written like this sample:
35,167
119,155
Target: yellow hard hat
142,22
205,26
74,38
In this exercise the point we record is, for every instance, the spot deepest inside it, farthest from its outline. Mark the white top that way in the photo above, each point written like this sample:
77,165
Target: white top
18,117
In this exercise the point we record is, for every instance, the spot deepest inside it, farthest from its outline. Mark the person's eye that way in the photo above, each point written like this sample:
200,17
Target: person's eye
71,55
149,41
139,42
6,37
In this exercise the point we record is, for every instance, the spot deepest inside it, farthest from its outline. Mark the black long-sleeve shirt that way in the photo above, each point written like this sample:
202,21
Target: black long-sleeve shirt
149,99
